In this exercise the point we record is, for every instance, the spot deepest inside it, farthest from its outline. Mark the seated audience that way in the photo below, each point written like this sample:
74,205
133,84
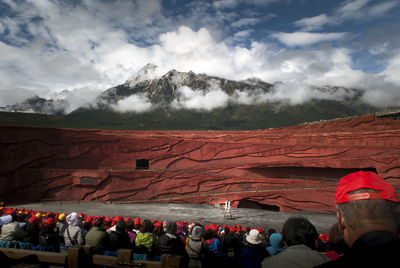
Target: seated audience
49,236
368,217
131,233
195,247
231,245
336,245
169,242
254,252
97,237
144,242
32,230
11,231
119,238
73,232
276,244
300,238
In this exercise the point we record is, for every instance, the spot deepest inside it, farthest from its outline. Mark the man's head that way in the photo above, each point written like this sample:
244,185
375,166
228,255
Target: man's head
299,231
171,227
365,203
99,222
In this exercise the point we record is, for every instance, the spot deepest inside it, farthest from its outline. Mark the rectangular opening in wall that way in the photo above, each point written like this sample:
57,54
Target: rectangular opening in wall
88,180
142,164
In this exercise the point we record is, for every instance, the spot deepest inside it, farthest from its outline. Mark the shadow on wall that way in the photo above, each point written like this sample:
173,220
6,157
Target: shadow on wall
245,203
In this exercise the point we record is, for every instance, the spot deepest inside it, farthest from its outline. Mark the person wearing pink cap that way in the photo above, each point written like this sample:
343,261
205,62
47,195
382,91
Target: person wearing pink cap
368,215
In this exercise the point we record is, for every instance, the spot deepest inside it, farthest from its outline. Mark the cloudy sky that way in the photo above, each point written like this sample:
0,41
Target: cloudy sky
75,49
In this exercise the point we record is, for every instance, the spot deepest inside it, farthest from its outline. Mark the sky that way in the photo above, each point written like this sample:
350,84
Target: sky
76,49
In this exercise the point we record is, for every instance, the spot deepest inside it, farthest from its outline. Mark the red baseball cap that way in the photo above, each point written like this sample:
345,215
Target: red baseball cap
360,180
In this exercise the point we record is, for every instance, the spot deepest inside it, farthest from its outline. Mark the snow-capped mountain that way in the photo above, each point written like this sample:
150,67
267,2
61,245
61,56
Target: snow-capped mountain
150,89
38,105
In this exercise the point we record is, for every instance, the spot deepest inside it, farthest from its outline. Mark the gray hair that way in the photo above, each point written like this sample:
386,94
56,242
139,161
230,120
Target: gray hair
361,213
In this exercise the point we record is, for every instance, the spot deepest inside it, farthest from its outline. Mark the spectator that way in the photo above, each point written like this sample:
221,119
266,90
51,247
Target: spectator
269,232
368,216
12,230
276,244
32,230
62,224
336,245
254,252
195,247
136,225
131,233
73,233
49,236
231,245
144,241
97,237
213,243
170,243
119,238
300,237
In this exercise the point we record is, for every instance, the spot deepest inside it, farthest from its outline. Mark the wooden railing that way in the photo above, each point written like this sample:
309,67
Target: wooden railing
81,257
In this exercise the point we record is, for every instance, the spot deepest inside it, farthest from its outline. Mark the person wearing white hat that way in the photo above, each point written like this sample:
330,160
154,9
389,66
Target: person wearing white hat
254,252
10,229
5,219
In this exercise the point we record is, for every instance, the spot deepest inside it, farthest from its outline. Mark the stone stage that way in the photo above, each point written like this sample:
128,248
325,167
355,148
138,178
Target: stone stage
202,213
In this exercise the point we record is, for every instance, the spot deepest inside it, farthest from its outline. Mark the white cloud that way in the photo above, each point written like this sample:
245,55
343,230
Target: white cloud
312,23
213,97
355,10
306,38
245,22
381,9
134,103
84,50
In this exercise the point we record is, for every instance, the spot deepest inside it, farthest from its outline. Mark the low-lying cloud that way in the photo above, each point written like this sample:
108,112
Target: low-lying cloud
56,50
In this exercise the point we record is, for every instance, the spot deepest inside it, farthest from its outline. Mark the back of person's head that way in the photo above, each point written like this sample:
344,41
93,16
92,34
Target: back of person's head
120,226
367,201
299,231
99,222
336,240
146,227
129,225
171,227
208,235
197,232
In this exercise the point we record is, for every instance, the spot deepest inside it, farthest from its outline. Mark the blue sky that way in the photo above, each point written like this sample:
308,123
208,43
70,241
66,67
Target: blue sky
77,49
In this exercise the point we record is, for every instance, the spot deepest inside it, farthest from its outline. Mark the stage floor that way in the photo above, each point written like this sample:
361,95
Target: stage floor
202,213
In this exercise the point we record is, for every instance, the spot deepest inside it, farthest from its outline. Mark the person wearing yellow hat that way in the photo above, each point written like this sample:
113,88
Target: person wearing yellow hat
61,224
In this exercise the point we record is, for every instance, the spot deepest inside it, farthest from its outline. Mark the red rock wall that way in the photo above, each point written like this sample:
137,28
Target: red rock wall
294,168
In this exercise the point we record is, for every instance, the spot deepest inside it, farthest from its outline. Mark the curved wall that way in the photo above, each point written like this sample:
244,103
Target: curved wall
293,168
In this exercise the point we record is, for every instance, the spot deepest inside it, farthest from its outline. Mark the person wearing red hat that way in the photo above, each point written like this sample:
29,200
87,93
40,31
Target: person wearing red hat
49,237
32,229
368,215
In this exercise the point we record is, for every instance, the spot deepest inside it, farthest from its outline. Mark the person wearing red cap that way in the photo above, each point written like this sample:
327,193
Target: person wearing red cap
368,215
32,229
49,236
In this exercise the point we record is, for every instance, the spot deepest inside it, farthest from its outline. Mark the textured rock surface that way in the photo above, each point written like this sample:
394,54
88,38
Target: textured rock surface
294,168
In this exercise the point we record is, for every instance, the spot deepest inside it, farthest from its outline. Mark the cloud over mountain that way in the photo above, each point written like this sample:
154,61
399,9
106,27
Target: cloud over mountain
77,49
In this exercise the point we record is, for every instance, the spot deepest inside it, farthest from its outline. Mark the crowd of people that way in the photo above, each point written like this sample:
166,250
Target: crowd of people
366,233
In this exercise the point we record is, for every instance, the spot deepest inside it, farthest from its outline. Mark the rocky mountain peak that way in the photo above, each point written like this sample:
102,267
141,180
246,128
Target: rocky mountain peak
148,72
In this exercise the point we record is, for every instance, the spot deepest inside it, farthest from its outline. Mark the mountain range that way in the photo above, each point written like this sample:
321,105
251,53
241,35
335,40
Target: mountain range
188,101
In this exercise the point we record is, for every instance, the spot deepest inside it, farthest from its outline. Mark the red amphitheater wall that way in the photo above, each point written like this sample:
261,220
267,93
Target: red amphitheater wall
286,169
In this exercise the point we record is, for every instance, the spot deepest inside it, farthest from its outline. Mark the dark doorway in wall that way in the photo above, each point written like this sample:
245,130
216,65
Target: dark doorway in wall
245,203
142,164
